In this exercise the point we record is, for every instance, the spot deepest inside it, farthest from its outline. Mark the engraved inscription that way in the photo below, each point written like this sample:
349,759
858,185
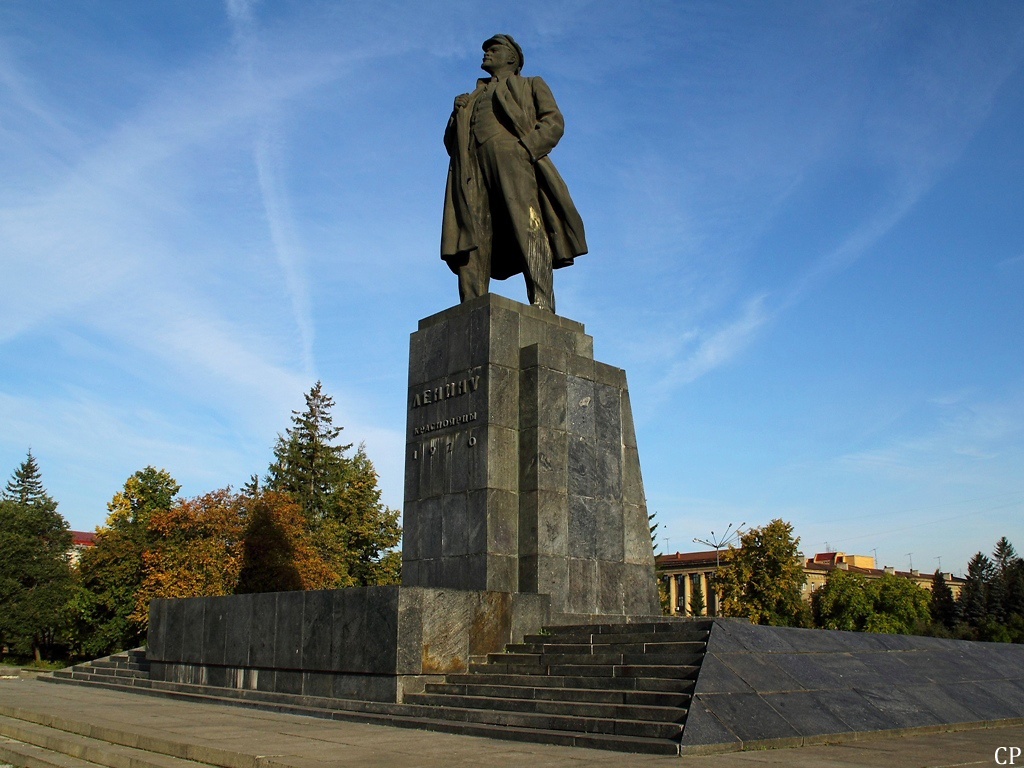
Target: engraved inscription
448,390
445,423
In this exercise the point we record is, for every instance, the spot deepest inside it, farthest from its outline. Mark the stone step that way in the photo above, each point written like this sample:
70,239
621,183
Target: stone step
79,674
586,695
16,753
671,685
89,673
556,722
117,664
411,716
672,646
109,671
664,671
666,625
635,712
588,638
52,746
593,659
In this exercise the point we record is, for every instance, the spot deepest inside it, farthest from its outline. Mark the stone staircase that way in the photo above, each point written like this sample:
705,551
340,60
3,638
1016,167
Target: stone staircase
119,670
622,687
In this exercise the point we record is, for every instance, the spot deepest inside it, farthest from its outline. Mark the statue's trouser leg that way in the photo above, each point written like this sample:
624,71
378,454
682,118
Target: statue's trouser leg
511,181
475,274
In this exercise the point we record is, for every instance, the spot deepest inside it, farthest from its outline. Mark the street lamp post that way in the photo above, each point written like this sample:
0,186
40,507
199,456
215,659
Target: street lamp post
727,539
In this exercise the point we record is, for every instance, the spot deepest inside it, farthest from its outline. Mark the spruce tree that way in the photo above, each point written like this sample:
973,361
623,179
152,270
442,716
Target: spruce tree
697,604
338,495
972,603
1003,556
26,486
307,463
943,605
35,572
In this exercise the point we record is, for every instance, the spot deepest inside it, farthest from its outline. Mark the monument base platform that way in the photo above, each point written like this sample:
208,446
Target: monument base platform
368,643
661,686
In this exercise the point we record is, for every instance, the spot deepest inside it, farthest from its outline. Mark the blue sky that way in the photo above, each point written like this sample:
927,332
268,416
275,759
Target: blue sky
806,224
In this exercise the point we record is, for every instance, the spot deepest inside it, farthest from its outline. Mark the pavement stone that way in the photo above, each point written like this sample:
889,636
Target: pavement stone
291,741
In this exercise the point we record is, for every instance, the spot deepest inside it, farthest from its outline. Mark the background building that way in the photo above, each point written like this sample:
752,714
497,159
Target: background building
683,571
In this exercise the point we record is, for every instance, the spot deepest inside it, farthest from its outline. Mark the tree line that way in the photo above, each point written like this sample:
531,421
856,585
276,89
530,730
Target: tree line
314,521
763,580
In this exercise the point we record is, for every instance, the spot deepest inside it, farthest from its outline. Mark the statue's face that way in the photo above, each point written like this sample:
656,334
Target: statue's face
498,56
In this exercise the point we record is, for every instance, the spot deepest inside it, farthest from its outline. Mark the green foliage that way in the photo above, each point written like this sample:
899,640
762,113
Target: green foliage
762,578
973,603
349,526
991,601
35,575
112,572
697,604
891,604
943,604
844,602
307,465
905,605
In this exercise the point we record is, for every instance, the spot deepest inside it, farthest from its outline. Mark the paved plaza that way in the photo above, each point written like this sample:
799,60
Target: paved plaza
249,738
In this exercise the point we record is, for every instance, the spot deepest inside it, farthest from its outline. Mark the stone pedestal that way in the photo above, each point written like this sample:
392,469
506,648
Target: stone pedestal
522,472
370,643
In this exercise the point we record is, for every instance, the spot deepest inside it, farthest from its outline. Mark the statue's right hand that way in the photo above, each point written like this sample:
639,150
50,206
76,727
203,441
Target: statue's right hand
460,101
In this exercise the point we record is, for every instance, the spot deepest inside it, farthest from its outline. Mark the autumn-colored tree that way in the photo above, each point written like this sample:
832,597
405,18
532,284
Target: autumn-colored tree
278,552
195,550
761,579
35,575
111,572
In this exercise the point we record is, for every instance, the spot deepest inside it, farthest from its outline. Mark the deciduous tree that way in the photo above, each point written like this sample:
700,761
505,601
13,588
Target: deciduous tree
900,606
762,578
195,550
278,550
843,602
112,570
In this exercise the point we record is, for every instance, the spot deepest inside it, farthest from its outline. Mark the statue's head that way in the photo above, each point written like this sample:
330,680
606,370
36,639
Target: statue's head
502,53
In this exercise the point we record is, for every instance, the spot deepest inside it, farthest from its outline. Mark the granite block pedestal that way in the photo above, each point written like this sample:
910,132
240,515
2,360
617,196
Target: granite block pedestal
522,473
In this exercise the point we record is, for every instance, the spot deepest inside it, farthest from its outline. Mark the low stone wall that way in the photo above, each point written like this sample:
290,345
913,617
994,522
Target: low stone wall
370,643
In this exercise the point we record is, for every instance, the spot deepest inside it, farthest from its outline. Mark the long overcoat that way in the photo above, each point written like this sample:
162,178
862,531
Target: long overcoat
531,110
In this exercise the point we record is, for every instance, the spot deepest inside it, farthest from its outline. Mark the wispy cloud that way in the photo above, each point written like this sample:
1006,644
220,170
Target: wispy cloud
716,347
274,193
965,442
1012,262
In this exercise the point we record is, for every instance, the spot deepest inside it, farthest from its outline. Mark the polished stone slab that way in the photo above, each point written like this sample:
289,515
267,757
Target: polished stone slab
777,686
364,642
